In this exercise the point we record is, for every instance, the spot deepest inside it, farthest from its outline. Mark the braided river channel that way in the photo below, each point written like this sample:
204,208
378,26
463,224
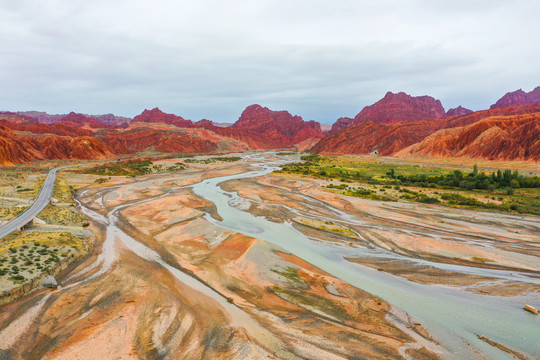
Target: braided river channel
453,317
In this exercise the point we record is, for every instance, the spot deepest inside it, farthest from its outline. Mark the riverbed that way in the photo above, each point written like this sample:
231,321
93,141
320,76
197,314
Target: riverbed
228,261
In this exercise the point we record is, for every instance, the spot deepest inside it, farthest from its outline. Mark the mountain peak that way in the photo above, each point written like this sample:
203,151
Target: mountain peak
518,97
157,116
401,107
279,126
459,111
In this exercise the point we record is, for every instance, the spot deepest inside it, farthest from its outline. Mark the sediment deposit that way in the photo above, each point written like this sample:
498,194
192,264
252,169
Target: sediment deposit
171,276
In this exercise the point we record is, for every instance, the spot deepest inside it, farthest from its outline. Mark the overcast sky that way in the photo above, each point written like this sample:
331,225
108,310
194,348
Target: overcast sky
211,58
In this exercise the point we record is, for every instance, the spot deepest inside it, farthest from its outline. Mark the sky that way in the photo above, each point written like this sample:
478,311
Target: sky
212,58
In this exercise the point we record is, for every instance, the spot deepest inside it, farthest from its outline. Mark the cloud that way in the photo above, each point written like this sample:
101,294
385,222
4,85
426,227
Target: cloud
210,59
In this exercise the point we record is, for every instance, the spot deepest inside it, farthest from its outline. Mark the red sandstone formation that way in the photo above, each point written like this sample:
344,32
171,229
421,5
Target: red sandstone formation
341,123
278,126
167,141
401,107
111,119
82,120
514,137
204,122
210,122
43,117
459,111
371,137
157,116
398,107
387,139
16,148
375,129
63,129
251,139
518,97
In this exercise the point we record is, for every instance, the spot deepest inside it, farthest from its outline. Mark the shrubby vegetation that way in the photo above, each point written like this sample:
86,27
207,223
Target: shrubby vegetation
506,179
27,258
456,187
132,168
213,160
122,168
360,192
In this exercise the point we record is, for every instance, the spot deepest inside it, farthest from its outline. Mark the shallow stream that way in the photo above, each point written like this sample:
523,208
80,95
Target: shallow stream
454,318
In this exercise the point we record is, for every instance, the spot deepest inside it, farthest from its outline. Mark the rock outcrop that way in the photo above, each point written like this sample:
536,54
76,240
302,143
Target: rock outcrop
392,108
401,107
157,116
279,127
370,137
111,119
459,111
44,118
514,137
341,123
17,148
167,141
518,97
82,120
388,139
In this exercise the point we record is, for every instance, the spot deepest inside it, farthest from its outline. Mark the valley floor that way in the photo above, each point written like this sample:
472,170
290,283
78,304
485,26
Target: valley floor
185,266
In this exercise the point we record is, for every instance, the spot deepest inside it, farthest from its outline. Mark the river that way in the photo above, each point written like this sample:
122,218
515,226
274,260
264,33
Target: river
455,318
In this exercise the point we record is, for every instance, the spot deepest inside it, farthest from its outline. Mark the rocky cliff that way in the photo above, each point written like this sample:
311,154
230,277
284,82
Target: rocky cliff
515,137
388,139
44,118
392,108
18,148
341,123
518,97
401,107
280,127
459,111
157,116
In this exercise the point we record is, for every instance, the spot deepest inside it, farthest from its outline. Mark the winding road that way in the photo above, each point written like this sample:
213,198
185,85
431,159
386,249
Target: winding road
39,204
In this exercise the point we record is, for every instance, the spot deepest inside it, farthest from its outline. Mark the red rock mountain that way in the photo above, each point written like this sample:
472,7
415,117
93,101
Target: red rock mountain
60,128
278,126
157,116
396,108
250,138
43,117
210,122
82,120
16,148
388,139
166,141
111,119
401,107
371,137
70,140
341,123
459,111
204,122
514,137
518,97
499,133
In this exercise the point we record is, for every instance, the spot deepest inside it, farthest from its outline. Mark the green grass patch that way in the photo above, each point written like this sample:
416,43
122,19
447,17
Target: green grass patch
514,191
308,301
132,168
214,160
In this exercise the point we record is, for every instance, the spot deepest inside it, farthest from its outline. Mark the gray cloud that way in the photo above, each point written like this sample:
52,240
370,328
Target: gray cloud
210,58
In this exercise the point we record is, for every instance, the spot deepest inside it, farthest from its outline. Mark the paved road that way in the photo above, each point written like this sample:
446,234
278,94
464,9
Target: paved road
39,204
